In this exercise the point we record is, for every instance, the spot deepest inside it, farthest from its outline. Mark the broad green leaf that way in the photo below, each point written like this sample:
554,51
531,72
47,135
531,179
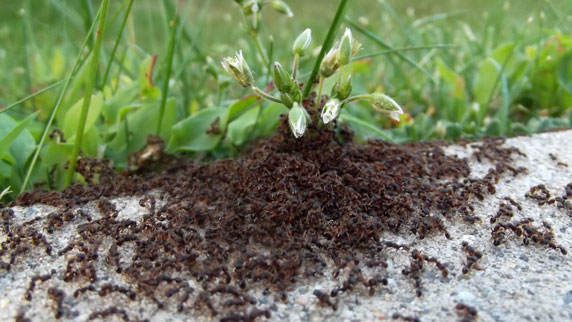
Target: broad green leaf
11,132
445,72
142,123
73,115
239,130
53,157
5,169
485,82
191,133
565,72
269,119
238,108
124,96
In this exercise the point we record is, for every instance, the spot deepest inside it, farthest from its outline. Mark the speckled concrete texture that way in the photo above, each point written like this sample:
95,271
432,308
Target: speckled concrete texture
511,282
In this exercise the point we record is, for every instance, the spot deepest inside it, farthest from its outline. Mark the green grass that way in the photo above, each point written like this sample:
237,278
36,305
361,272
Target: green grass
457,69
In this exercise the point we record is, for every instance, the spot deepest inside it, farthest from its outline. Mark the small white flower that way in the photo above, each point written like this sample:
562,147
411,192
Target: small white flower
331,110
238,69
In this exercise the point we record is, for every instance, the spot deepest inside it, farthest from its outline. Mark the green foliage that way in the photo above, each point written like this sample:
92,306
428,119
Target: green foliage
457,73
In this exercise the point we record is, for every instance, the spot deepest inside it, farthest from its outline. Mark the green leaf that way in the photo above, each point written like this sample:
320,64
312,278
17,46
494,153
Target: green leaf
239,107
269,119
73,116
565,72
372,128
11,132
142,123
54,156
191,133
445,72
124,96
240,129
485,82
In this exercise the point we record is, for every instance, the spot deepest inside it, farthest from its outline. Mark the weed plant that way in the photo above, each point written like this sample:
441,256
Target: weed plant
96,78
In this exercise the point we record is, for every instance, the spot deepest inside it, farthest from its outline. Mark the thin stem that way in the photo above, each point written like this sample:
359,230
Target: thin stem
88,93
260,49
328,42
119,35
354,98
295,65
319,97
169,61
263,94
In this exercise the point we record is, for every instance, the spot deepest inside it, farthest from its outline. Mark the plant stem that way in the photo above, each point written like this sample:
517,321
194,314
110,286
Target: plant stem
295,65
354,98
263,94
47,127
119,35
88,93
261,51
169,61
328,42
319,97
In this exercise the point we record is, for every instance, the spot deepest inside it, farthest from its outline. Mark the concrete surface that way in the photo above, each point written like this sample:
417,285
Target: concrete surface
514,282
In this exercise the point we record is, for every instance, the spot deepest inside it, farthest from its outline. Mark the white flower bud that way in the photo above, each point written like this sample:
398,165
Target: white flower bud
298,120
331,110
302,43
238,69
330,63
281,7
346,47
385,104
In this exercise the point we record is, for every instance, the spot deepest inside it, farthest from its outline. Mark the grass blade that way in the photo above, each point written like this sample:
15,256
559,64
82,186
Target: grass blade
169,64
395,50
373,37
119,35
18,102
350,118
88,92
328,42
13,134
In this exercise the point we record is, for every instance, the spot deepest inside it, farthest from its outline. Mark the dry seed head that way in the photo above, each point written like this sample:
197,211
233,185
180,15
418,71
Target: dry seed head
238,69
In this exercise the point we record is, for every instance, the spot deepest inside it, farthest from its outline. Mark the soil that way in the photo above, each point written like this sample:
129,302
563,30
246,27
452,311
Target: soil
282,213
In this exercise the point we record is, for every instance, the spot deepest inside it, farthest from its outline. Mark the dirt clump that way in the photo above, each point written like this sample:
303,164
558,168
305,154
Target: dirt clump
284,212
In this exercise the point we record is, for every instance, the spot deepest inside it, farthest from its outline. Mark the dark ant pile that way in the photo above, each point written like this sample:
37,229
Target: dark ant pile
283,213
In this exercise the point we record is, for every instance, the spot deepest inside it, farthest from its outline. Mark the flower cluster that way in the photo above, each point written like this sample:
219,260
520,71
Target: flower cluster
288,87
